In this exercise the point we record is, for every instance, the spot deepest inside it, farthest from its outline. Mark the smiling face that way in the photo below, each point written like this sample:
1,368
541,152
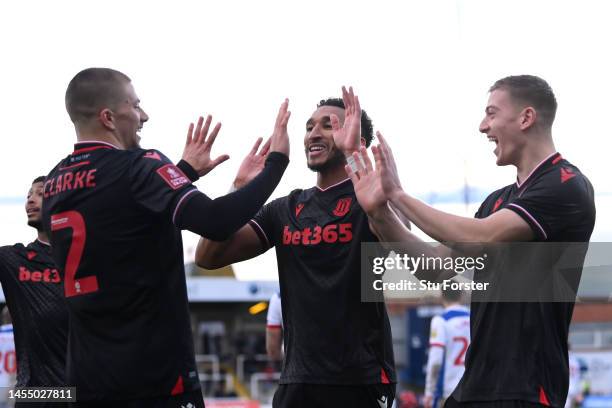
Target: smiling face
33,205
502,125
321,152
129,118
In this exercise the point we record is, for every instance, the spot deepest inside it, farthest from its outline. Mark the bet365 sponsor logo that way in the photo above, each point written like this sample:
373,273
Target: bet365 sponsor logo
48,275
329,234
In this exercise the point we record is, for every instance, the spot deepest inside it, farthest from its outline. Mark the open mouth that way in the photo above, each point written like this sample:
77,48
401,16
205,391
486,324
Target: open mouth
316,149
32,211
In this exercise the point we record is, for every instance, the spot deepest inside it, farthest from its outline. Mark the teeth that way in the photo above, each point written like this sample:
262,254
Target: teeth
315,148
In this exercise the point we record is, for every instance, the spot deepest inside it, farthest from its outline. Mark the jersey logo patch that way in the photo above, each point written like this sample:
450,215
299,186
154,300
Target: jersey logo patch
382,401
566,174
173,176
343,206
298,209
497,204
152,155
31,255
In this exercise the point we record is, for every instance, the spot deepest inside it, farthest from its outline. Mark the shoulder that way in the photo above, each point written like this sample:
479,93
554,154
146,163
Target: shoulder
13,249
565,180
285,201
489,204
150,157
437,320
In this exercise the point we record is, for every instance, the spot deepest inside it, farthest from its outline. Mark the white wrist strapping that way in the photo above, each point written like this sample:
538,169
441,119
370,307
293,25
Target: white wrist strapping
350,160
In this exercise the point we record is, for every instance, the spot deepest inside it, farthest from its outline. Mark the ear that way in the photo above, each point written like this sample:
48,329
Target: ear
363,142
528,118
107,118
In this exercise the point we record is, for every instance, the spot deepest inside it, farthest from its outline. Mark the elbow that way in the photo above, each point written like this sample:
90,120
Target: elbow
205,257
206,264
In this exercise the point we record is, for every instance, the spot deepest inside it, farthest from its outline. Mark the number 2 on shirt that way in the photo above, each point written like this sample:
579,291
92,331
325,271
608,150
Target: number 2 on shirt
460,360
74,221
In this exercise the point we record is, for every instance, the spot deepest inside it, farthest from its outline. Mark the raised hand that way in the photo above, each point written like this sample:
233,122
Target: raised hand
385,164
279,141
348,137
198,146
367,183
252,164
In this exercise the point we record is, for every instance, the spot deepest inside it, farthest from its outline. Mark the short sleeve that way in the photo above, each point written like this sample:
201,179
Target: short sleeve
157,184
551,205
275,314
437,335
265,221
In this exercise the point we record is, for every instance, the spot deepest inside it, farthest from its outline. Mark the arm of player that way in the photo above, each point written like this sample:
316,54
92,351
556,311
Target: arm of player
274,342
437,342
218,219
240,246
245,243
384,221
434,365
504,225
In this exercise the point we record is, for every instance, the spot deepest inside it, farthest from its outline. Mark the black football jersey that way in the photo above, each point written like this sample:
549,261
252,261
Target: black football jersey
519,349
34,294
109,213
330,335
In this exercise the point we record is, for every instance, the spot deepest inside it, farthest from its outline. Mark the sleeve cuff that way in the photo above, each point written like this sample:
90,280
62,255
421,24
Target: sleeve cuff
277,157
537,228
188,170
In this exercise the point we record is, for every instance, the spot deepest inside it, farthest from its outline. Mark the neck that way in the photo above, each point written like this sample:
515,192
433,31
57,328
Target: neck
330,177
88,135
532,156
42,236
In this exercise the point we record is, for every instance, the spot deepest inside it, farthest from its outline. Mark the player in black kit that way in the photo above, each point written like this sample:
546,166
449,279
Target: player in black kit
34,294
519,353
114,213
338,350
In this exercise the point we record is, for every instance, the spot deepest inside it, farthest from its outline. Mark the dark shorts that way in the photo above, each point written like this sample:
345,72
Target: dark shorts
334,396
452,403
194,398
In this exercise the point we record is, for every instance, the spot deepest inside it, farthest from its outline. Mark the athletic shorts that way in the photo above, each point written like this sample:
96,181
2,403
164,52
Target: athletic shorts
334,396
192,399
452,403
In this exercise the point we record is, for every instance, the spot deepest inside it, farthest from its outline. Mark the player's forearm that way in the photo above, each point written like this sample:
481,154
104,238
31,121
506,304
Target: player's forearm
439,225
210,254
273,344
388,227
218,219
433,372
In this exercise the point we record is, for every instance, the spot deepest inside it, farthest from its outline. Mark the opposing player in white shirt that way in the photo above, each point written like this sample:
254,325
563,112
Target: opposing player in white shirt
274,328
574,393
448,342
8,359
